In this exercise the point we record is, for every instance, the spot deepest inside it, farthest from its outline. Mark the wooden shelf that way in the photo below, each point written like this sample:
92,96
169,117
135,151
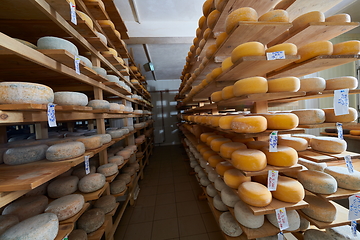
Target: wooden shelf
111,178
96,10
326,157
114,61
296,167
120,194
74,218
325,125
275,204
341,193
117,87
94,195
64,230
97,235
7,197
349,136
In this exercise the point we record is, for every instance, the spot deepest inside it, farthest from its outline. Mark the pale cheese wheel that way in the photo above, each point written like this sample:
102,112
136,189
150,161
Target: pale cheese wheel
226,121
222,167
66,206
288,48
63,151
62,186
319,209
331,117
23,92
347,48
254,194
57,43
23,155
310,116
7,221
247,49
312,165
317,182
249,160
108,169
227,92
240,14
314,84
288,190
284,157
219,184
307,137
91,182
341,83
119,160
355,132
226,64
229,225
218,142
304,224
78,234
106,203
116,107
216,96
229,197
249,124
105,138
91,220
228,148
246,217
315,234
124,176
342,232
117,186
250,86
328,144
211,191
314,49
218,204
285,84
70,98
281,121
293,220
91,142
234,178
342,17
299,144
102,37
99,104
344,178
204,181
256,144
302,21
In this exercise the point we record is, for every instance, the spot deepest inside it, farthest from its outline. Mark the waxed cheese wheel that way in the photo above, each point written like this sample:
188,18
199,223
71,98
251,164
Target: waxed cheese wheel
330,115
284,157
218,204
106,203
117,186
317,182
23,92
281,121
254,194
342,17
22,155
355,132
62,186
91,220
288,190
250,86
207,6
319,209
247,49
344,178
215,121
27,207
99,104
210,51
227,92
91,142
285,84
57,43
66,207
108,169
249,159
215,160
91,182
70,98
228,148
314,84
220,39
278,15
310,116
341,83
314,49
288,48
226,121
204,136
307,137
212,18
234,178
256,144
41,227
212,137
303,20
229,225
347,48
249,124
222,167
246,217
216,96
328,144
312,165
240,14
225,65
299,144
63,151
7,221
217,143
292,216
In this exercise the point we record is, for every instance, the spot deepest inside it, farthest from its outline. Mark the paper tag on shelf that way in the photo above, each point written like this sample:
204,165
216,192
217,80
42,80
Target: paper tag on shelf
354,207
51,115
273,141
340,130
272,180
353,228
73,13
282,218
280,236
87,164
341,102
349,164
275,55
77,65
66,238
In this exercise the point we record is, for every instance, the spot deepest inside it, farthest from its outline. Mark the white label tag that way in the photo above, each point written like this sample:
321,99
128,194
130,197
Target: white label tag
66,238
77,65
273,141
272,180
280,236
341,102
51,115
282,218
349,164
87,165
353,228
340,130
354,207
275,55
73,13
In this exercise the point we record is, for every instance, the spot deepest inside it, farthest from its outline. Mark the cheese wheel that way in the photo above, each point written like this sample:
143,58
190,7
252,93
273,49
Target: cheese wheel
342,17
70,98
328,144
216,72
341,83
207,33
249,124
207,6
312,165
256,144
315,84
23,92
204,136
91,182
198,34
226,121
198,50
292,216
254,194
106,23
221,39
210,51
201,21
117,186
228,148
330,115
91,142
288,48
217,143
307,137
241,139
246,217
212,174
29,44
249,160
219,4
229,225
215,121
23,155
299,144
64,151
7,221
222,167
99,104
214,160
344,178
212,137
247,49
219,184
285,84
317,182
240,14
275,16
108,169
78,234
106,203
314,49
281,121
211,191
284,157
206,155
302,21
227,92
212,18
355,132
226,64
205,150
201,145
62,186
288,190
233,178
218,204
319,209
315,234
229,197
57,43
66,206
91,220
347,48
250,86
304,224
310,116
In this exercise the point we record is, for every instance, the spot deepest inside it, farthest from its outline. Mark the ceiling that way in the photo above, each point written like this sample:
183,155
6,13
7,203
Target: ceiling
162,31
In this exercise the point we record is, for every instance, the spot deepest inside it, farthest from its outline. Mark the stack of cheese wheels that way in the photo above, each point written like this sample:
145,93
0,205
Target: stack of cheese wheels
240,14
341,83
281,121
249,124
23,92
315,84
328,144
250,86
310,116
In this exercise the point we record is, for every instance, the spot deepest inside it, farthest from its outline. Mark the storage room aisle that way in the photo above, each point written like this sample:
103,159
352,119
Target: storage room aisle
168,206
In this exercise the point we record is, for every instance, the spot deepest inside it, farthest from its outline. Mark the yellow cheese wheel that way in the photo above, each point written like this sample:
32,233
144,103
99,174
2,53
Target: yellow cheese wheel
240,14
215,121
106,23
216,72
222,167
247,49
355,132
314,49
204,136
299,144
241,139
275,16
281,121
226,64
220,39
207,33
212,137
342,17
201,146
198,33
284,157
302,21
207,6
257,144
85,18
319,209
225,121
216,96
233,178
201,45
249,160
195,42
212,18
250,85
347,48
214,160
219,4
328,144
217,143
341,83
228,148
254,194
330,115
210,51
285,84
289,190
249,124
288,48
202,20
205,149
310,116
198,51
208,77
227,92
315,84
208,154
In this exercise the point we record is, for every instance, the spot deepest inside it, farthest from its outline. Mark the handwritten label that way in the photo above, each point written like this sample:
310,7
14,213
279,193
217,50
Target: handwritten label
73,13
272,180
51,115
349,164
77,65
280,236
87,164
282,218
273,141
341,102
354,207
275,55
340,130
353,228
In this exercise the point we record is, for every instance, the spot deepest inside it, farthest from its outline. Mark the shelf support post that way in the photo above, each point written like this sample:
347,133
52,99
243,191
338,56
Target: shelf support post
41,130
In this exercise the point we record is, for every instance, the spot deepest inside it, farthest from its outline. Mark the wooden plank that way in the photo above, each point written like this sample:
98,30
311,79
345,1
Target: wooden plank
325,125
112,59
275,204
96,10
97,44
341,193
349,136
315,156
341,156
94,195
8,197
296,167
121,193
265,133
64,230
116,86
74,218
111,178
97,235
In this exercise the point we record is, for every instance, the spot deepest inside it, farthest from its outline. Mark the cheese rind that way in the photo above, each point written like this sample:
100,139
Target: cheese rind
319,209
310,116
228,148
23,92
70,98
285,84
62,186
299,144
303,20
341,83
314,49
328,144
317,182
226,64
227,92
247,49
63,151
234,178
249,159
91,220
225,121
312,165
246,217
217,143
7,221
331,117
249,124
288,190
67,206
91,182
292,216
281,121
278,15
229,197
250,86
344,178
284,157
347,48
229,225
212,18
91,142
288,48
315,84
23,155
342,17
222,167
220,39
254,194
218,204
215,160
240,14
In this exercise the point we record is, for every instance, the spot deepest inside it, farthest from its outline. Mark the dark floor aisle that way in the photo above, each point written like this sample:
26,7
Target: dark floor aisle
167,206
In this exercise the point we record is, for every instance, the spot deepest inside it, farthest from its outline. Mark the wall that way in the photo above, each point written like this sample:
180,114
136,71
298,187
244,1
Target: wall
164,112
